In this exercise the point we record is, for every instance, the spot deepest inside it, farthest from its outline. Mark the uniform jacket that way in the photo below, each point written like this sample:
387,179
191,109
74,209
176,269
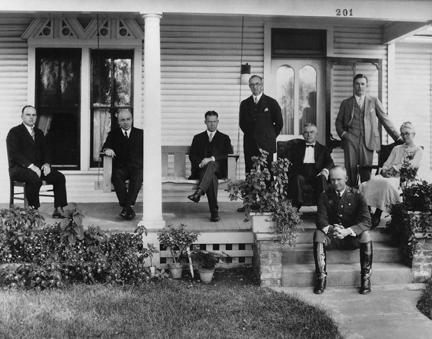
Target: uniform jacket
295,152
23,150
350,210
374,112
261,129
201,148
129,151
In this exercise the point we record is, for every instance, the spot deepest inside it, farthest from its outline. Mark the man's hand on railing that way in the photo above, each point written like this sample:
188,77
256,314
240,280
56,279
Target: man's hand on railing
109,152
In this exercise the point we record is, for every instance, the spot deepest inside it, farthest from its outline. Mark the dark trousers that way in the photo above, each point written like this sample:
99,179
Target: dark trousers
348,243
356,156
127,194
208,183
34,183
298,183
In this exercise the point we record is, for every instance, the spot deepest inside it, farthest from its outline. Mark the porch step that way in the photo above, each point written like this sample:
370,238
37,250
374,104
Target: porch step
346,275
303,253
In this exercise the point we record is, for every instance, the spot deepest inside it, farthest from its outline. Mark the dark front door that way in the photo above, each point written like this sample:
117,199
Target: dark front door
58,103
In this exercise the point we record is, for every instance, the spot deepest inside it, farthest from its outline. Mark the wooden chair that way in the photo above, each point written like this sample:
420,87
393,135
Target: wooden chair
47,192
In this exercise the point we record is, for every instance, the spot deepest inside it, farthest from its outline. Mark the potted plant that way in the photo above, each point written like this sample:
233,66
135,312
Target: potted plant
149,252
206,262
267,193
178,240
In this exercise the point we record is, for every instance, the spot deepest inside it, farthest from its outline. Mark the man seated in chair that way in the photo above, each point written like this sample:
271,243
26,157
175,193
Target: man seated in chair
30,162
208,155
311,163
343,221
125,145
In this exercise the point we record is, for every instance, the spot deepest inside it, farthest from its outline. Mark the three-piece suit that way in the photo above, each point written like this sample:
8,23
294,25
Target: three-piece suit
219,148
359,130
127,163
261,123
301,174
23,151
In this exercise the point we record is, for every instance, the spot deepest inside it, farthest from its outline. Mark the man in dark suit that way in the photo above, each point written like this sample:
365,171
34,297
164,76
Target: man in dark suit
261,122
30,159
343,221
357,126
125,145
208,155
311,163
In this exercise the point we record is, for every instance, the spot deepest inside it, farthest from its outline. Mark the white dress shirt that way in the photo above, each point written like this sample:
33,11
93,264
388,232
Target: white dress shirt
309,157
127,132
360,100
257,98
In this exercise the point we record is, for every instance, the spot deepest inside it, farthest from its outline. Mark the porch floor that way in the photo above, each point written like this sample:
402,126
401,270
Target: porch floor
195,216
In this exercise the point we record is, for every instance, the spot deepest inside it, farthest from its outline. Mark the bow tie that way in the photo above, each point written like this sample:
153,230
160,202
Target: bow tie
310,145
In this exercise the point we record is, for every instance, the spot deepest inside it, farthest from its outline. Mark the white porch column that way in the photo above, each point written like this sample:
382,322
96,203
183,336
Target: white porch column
151,110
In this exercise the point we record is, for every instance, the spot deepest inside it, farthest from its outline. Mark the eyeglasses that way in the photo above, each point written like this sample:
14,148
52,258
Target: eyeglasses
406,133
254,84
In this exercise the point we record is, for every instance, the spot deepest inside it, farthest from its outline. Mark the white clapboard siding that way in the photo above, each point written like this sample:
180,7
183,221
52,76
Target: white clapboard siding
200,64
413,93
13,85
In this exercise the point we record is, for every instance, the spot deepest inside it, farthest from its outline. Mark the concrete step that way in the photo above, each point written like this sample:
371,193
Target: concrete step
346,275
303,254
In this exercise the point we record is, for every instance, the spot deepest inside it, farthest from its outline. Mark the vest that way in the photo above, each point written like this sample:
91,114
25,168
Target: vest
357,123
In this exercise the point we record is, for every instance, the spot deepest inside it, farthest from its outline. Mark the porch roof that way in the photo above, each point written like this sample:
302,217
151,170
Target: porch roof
386,10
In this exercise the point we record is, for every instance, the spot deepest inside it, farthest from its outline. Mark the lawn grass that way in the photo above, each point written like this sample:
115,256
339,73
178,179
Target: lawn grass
232,307
425,302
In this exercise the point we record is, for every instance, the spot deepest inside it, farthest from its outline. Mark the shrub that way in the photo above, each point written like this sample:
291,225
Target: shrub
267,191
53,256
178,240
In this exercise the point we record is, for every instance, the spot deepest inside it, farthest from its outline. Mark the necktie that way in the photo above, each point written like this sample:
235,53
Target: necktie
310,145
255,100
125,134
210,136
33,133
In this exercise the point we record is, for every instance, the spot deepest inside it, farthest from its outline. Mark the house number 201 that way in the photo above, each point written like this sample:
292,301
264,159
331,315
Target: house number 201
344,12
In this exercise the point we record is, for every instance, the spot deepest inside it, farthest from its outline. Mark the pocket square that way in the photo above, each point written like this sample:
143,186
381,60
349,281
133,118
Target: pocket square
266,109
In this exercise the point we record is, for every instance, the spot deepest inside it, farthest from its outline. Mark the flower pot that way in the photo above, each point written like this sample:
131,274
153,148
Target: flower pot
176,270
262,223
152,271
206,275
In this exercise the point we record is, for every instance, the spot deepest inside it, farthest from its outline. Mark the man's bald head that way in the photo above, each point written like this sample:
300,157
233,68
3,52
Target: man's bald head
125,119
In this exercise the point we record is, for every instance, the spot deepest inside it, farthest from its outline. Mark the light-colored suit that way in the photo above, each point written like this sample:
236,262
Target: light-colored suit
359,144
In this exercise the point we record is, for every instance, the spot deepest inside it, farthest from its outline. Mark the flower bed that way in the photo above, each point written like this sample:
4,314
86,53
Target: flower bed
36,255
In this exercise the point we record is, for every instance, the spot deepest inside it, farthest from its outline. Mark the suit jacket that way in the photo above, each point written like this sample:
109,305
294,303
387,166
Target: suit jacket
350,210
374,112
23,150
261,129
201,148
295,152
129,151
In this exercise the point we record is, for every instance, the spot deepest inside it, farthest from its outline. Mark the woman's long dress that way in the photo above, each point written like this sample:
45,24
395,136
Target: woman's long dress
381,192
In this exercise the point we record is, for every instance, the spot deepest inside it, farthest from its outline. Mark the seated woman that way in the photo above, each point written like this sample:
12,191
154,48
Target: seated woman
382,191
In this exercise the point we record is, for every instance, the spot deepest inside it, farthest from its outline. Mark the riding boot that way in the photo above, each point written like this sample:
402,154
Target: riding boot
366,254
319,253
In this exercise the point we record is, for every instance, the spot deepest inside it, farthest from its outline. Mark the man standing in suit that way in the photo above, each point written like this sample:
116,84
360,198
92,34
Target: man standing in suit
343,221
261,122
357,126
208,155
125,145
30,159
311,163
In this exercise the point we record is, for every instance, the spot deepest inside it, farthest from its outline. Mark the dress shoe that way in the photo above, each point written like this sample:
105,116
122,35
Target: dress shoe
123,213
214,218
130,213
376,218
195,197
320,285
59,213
